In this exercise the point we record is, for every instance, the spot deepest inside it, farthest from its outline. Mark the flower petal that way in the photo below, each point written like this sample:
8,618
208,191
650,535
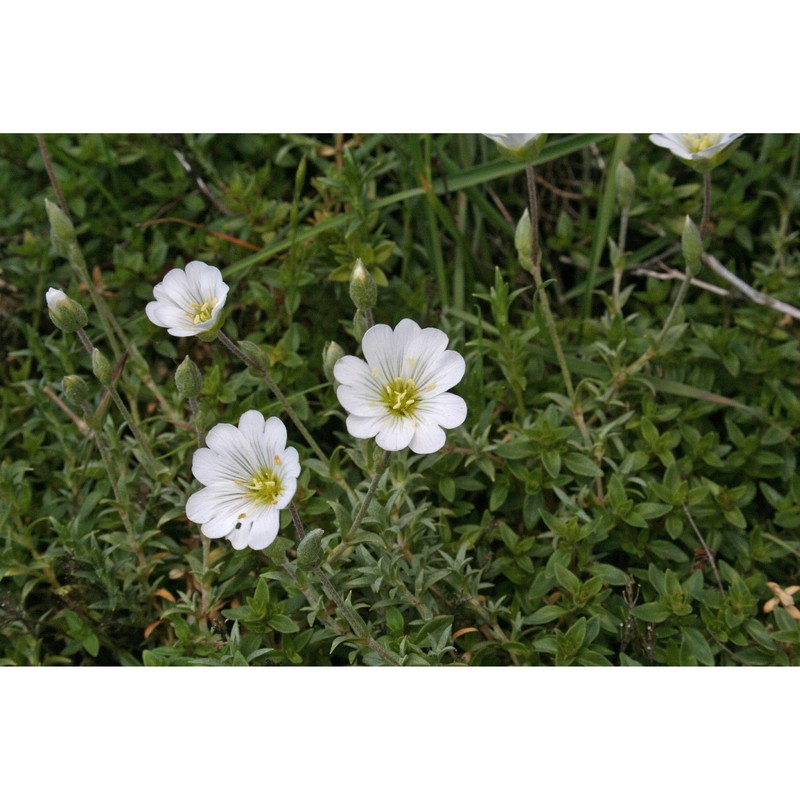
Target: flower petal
427,438
448,410
395,432
265,526
441,373
361,400
363,427
352,371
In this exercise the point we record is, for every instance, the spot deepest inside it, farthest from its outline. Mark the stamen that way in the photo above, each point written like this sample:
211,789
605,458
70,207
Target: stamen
203,311
399,396
264,487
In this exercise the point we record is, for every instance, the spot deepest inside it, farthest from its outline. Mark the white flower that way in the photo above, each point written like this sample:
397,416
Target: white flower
190,302
399,395
249,476
698,149
518,146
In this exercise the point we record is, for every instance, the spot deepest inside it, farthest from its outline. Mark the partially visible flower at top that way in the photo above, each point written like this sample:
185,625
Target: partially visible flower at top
66,314
703,151
399,394
189,302
518,146
249,476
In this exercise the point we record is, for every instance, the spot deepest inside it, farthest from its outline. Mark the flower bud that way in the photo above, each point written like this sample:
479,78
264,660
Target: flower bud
626,184
62,233
101,367
363,289
523,239
330,355
67,315
188,378
522,147
309,551
692,246
75,390
360,325
256,354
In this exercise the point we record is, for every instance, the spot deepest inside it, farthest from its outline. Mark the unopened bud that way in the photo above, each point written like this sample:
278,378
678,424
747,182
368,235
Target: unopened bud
62,233
522,147
188,378
256,354
309,551
330,355
67,315
523,239
360,325
363,289
626,184
692,246
101,367
75,390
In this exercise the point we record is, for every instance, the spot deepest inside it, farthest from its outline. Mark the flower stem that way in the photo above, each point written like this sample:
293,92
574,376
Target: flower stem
149,459
623,233
381,466
120,492
358,625
194,406
107,318
536,270
264,372
298,523
706,203
654,348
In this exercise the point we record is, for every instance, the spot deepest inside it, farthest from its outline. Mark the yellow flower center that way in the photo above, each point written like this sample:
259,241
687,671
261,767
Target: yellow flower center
697,142
202,311
264,487
399,397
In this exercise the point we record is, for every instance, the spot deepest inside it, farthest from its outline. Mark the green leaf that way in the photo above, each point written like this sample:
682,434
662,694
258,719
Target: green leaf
566,579
283,624
698,646
651,612
544,615
551,460
579,464
394,620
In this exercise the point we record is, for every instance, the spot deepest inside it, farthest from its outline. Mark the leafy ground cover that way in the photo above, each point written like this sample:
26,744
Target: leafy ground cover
638,504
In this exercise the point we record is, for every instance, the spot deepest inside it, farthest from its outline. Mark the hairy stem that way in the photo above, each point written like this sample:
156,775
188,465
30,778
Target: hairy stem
706,204
380,469
536,270
358,625
623,233
264,372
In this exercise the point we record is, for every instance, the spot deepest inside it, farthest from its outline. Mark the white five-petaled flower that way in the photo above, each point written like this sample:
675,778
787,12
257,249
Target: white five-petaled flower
699,150
249,476
399,395
189,302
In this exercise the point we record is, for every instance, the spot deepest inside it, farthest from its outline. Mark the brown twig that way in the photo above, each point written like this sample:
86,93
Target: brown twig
669,274
79,423
708,552
48,165
748,291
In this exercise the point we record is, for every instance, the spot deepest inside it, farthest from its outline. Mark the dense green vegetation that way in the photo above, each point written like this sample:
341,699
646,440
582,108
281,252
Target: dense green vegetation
646,517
